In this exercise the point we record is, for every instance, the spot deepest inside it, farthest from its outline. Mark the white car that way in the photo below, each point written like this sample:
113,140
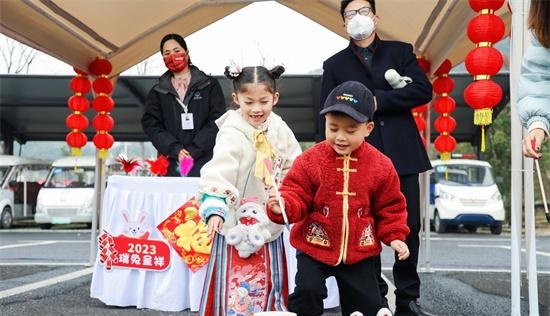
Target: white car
464,192
20,181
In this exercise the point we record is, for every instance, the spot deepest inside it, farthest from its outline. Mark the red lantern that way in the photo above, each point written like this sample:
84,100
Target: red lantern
103,141
103,122
78,103
100,66
76,139
484,61
443,85
80,84
103,103
444,105
103,85
482,94
445,68
486,28
478,5
445,144
445,124
420,123
76,122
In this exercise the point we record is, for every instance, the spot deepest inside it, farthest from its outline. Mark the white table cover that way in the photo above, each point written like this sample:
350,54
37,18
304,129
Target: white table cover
176,288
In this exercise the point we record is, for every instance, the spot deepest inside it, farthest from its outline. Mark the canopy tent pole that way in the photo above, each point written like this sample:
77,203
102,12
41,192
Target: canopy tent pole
99,189
519,41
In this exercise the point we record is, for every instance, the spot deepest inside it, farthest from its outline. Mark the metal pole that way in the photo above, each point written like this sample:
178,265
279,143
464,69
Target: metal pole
518,43
427,231
99,188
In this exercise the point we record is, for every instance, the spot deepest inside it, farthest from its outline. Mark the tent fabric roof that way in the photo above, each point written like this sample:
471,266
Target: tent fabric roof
78,31
34,108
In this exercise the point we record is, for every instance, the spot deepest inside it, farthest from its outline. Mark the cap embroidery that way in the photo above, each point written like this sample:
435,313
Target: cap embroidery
347,97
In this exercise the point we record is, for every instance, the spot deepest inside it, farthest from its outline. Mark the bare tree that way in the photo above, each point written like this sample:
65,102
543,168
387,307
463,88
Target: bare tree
17,57
143,67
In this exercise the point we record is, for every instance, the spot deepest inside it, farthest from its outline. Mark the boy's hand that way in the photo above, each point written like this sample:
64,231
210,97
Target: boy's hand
273,202
401,249
215,223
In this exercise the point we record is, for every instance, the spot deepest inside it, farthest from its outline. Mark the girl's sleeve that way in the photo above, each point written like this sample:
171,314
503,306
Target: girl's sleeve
534,87
217,190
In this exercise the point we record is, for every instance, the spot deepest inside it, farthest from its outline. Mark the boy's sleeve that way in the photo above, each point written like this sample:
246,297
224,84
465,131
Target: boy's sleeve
390,209
297,193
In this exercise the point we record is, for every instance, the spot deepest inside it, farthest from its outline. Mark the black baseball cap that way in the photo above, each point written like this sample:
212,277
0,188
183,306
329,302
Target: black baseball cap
353,99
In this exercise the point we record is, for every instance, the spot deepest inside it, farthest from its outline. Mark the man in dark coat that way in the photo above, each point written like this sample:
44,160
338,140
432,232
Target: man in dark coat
366,59
162,120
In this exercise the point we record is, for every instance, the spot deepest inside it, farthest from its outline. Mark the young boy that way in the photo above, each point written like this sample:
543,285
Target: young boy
343,196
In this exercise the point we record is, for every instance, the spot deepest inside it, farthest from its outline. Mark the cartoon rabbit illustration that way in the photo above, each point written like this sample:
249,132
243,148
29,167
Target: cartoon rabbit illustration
135,228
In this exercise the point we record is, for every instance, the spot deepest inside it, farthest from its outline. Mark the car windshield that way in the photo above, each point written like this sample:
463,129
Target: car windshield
69,177
464,175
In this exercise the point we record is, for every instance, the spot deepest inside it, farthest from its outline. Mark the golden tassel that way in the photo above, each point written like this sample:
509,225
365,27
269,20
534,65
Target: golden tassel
75,151
482,138
445,156
103,153
483,116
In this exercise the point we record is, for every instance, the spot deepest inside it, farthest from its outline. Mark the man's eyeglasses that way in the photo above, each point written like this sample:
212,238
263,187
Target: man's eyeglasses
363,11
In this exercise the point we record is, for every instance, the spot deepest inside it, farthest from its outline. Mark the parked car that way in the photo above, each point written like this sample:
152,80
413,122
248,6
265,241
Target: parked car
464,192
20,180
68,195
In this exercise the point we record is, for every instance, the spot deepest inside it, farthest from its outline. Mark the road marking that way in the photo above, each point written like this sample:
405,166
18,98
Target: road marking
541,253
40,243
47,282
61,241
478,270
4,264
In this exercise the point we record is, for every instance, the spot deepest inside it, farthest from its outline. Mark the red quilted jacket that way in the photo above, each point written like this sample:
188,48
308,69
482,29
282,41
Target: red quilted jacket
343,206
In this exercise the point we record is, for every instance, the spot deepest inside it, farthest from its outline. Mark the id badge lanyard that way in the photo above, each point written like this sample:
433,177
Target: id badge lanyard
186,117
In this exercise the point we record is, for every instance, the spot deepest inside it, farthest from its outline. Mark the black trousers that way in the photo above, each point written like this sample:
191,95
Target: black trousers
357,286
405,276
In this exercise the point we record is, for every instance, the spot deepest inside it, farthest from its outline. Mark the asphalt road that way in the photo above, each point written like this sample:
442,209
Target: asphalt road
470,275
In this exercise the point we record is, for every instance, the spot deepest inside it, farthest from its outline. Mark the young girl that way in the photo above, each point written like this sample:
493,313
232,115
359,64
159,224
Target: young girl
254,149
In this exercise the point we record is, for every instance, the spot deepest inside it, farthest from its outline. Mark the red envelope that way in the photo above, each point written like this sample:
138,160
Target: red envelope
187,234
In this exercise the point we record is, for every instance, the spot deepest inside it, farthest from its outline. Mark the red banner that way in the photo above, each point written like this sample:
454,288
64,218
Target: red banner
133,253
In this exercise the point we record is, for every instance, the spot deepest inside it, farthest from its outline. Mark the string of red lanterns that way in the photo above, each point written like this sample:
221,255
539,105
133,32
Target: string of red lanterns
419,112
445,124
102,104
483,62
77,121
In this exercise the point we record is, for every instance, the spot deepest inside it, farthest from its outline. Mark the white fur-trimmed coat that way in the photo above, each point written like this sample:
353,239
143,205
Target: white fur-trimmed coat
230,173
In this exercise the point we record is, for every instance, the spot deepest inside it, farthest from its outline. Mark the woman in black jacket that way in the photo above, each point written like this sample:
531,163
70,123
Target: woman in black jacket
181,108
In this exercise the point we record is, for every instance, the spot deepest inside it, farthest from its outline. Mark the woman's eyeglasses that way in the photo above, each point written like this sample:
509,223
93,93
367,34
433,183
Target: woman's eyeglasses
363,11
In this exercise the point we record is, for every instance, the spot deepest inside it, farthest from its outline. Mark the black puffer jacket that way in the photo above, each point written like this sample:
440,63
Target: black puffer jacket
162,119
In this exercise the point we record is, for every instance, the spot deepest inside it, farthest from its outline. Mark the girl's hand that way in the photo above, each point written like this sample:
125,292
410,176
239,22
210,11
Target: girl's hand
528,150
401,249
183,154
273,202
215,223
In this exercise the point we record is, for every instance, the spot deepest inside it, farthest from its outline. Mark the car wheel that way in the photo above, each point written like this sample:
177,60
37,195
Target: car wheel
496,230
471,228
438,226
6,219
45,226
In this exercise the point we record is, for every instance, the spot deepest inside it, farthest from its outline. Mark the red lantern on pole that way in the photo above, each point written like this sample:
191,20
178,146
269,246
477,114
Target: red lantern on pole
102,104
444,105
483,62
78,103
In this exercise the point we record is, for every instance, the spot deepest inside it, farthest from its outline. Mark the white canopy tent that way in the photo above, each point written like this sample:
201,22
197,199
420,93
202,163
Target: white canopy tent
126,33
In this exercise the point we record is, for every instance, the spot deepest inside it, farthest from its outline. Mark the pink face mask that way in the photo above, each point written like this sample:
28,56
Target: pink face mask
175,62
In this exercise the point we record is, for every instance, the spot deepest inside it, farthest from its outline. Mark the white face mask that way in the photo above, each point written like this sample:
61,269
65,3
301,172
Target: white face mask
360,27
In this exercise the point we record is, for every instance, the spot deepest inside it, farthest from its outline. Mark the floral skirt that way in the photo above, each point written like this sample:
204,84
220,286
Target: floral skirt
236,286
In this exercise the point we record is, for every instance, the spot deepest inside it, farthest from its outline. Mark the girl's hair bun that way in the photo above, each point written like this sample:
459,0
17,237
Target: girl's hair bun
276,72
